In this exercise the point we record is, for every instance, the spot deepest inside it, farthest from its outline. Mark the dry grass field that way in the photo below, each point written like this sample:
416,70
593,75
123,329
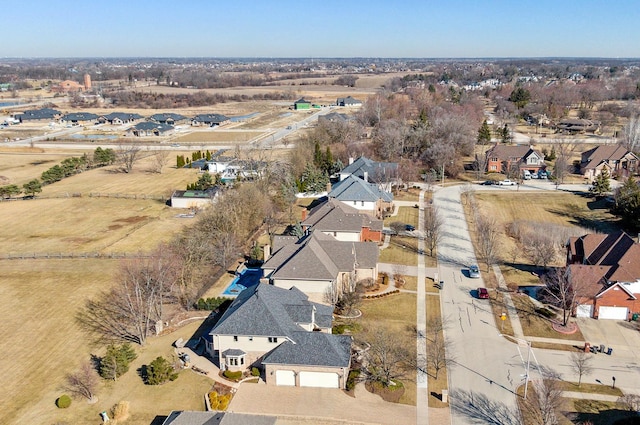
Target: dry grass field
218,136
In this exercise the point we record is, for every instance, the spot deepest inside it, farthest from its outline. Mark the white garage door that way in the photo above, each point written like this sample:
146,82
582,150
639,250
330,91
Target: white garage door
616,313
319,379
285,378
584,310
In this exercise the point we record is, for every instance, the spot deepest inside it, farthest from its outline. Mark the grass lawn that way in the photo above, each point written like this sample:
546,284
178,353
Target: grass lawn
534,325
401,250
410,283
396,313
218,136
412,195
18,166
590,388
406,215
435,385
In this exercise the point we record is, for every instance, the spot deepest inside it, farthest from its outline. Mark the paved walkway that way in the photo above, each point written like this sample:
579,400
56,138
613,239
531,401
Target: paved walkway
589,396
421,327
511,308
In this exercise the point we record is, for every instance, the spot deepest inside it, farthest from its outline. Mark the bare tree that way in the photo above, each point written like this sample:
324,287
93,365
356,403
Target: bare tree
83,382
488,232
127,155
225,248
194,256
386,357
440,352
631,402
631,134
581,364
129,310
432,227
563,149
540,408
560,291
330,295
541,248
159,160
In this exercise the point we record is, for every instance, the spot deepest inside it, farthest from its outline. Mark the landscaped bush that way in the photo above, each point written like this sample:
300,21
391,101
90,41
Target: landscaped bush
63,401
210,303
160,371
545,312
338,329
234,376
219,401
352,379
255,371
120,412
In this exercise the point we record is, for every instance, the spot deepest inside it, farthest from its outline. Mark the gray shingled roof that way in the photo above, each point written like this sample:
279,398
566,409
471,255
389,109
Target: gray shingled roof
335,216
122,116
312,349
383,171
38,114
163,117
355,189
211,118
594,157
79,116
264,310
217,418
150,126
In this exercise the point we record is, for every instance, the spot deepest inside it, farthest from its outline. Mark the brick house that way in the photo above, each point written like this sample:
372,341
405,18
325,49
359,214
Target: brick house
605,272
514,160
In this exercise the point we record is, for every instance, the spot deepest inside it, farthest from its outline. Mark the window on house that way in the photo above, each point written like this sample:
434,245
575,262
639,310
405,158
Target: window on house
250,338
355,202
273,339
235,338
362,203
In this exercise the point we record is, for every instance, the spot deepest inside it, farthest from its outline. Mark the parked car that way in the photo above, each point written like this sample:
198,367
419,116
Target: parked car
487,183
483,294
474,272
506,182
409,227
390,232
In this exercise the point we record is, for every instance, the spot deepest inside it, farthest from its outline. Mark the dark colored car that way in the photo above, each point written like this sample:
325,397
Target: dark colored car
409,228
488,183
483,294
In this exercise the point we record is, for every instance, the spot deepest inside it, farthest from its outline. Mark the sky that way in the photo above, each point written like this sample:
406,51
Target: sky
322,28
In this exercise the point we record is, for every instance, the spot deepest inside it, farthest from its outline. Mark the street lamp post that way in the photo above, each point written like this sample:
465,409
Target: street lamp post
528,364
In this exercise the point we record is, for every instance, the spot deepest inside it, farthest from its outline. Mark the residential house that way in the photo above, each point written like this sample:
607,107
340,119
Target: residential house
301,104
348,101
384,174
334,117
185,417
318,264
148,128
283,333
514,160
363,196
232,169
43,114
67,86
617,160
78,118
211,120
194,199
119,118
343,222
604,270
168,118
578,125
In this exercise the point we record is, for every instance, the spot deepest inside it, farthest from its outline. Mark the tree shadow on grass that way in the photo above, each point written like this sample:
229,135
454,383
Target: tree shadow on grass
477,408
605,417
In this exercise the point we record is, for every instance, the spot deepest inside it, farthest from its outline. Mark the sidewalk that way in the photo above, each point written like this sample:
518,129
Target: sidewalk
589,396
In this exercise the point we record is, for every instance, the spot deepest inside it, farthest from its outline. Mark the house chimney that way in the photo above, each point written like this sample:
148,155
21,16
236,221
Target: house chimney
328,187
350,160
305,212
365,177
266,249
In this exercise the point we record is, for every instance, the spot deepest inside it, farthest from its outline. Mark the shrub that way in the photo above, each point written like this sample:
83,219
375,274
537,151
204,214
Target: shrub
210,303
234,376
63,401
219,401
512,287
115,362
120,412
352,379
338,329
160,371
255,371
545,312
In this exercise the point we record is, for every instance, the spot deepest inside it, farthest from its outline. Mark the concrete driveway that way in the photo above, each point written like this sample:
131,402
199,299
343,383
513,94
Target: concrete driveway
623,337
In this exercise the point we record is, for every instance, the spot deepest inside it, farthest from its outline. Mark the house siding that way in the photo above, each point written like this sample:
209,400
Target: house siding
616,297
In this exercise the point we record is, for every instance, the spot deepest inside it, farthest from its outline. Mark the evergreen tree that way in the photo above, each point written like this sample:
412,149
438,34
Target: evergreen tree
208,155
520,97
552,155
318,158
601,184
180,161
628,202
160,371
32,187
115,362
505,134
484,133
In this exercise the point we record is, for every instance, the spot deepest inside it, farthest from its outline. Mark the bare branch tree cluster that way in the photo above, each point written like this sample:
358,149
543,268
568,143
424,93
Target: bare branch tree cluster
83,382
433,223
386,357
488,232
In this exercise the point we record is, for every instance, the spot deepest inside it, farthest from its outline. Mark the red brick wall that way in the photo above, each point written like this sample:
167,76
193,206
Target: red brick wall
370,235
616,297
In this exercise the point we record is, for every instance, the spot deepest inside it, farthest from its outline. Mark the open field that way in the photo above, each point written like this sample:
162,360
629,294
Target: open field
18,166
218,136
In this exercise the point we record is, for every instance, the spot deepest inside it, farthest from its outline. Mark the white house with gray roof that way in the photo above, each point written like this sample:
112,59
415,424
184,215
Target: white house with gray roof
285,334
384,174
319,263
361,195
343,222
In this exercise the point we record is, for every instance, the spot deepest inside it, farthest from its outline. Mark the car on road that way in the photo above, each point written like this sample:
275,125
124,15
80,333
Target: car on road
175,145
483,294
389,232
507,182
488,183
409,227
289,127
474,272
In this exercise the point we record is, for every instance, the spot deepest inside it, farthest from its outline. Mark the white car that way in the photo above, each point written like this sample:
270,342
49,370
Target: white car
506,182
